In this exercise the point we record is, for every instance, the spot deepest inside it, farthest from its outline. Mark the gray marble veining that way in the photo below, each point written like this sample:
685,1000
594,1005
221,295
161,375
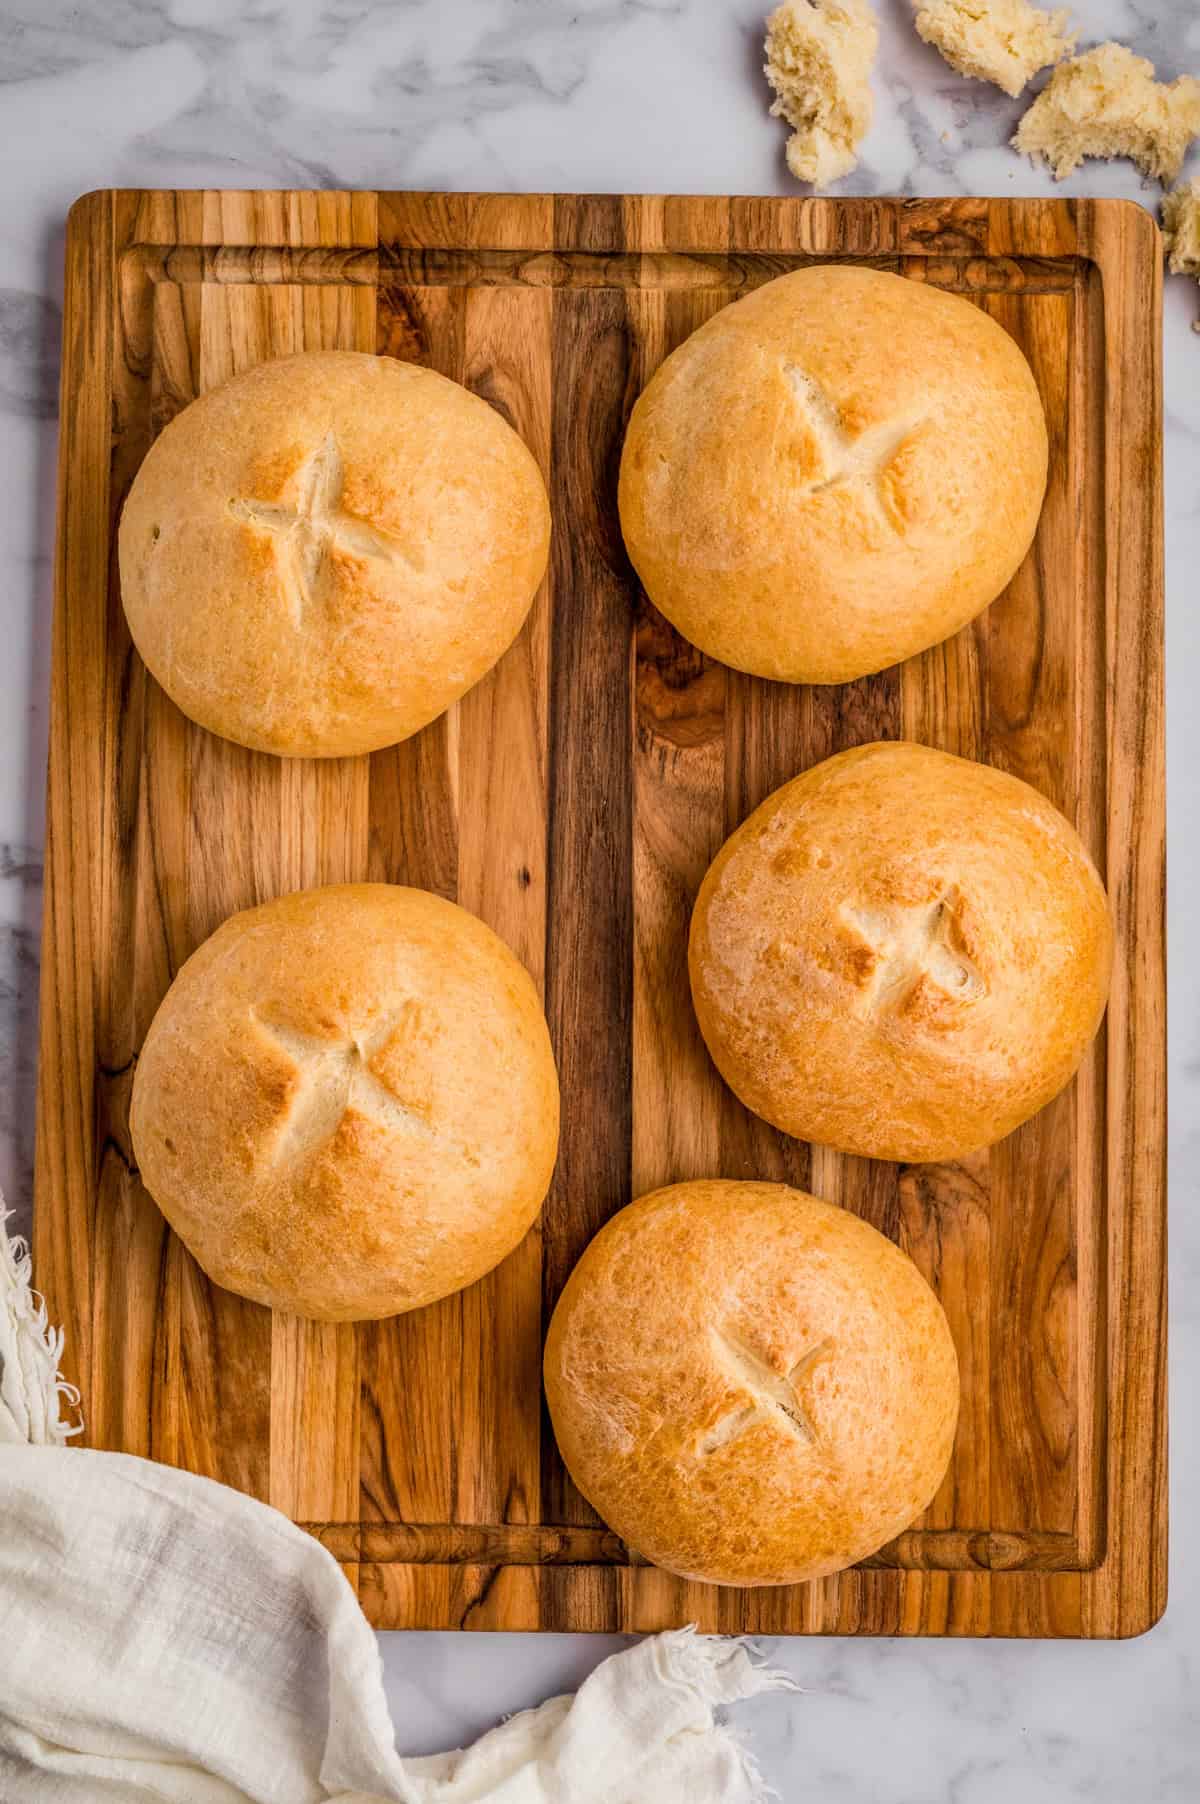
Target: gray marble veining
606,95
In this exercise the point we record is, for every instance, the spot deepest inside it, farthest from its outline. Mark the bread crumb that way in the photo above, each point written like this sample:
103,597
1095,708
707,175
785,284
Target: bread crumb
1001,41
1181,232
1106,103
819,57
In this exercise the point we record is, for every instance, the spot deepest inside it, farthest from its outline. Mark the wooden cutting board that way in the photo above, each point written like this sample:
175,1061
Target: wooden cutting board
573,799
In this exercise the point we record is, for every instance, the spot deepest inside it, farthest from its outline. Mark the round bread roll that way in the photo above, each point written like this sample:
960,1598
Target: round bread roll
321,555
900,954
346,1105
832,474
752,1387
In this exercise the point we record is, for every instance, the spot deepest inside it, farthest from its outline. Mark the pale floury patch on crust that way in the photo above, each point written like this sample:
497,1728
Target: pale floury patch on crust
819,58
1001,41
1106,103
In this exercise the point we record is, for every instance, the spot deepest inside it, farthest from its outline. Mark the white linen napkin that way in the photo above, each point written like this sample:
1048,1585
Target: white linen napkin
166,1639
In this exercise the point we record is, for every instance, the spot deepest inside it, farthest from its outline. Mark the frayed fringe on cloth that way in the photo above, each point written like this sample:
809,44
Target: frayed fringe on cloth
723,1672
32,1389
648,1723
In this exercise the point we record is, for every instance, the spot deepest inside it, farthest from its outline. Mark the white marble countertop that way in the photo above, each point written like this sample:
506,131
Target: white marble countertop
607,95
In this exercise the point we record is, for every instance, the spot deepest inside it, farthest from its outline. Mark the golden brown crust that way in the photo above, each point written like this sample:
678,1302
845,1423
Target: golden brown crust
833,473
423,531
752,1387
347,1105
900,954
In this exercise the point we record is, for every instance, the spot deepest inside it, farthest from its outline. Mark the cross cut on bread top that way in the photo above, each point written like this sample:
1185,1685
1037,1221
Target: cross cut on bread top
860,458
773,1396
335,1078
305,533
911,944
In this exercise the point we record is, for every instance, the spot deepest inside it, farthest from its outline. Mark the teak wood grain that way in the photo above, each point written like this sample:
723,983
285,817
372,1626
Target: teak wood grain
573,799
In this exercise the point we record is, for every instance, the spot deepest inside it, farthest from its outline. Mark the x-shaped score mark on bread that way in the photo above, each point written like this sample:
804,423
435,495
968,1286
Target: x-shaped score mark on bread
911,944
305,534
335,1078
774,1396
862,458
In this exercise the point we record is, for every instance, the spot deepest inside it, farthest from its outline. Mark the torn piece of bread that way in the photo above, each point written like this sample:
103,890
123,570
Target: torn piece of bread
819,57
1181,232
1106,103
1181,229
1001,41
